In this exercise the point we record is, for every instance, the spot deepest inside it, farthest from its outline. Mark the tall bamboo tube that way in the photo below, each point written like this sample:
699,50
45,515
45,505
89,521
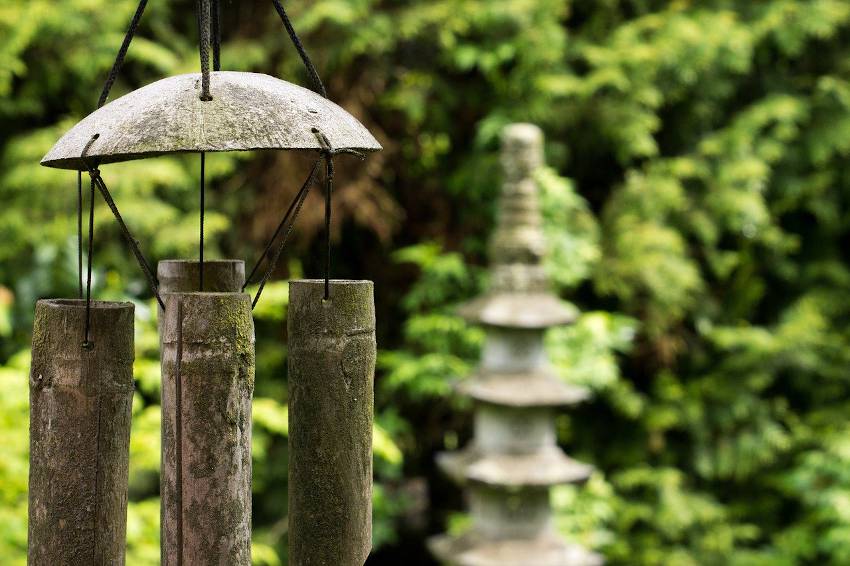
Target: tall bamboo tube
208,382
80,413
331,369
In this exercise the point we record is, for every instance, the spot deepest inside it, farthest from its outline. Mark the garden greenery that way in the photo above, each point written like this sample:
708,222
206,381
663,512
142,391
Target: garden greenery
697,203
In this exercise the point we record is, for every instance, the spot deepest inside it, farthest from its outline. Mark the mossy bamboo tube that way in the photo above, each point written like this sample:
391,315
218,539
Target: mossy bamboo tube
331,370
80,411
184,276
207,385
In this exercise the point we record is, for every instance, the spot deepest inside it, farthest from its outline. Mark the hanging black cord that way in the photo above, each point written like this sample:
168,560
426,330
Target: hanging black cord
283,222
134,245
215,10
86,344
329,186
203,206
205,14
104,96
131,241
204,47
327,154
299,201
296,41
122,53
80,231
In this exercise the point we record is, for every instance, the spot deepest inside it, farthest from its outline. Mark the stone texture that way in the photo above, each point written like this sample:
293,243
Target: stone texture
207,386
332,353
249,111
80,412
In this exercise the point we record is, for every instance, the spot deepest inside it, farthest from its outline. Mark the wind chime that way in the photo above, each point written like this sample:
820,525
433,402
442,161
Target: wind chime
81,384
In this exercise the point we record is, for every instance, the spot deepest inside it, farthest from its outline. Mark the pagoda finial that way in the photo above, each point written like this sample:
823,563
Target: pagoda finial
518,244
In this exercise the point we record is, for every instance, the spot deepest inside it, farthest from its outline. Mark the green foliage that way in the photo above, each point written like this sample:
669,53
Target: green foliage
14,399
696,209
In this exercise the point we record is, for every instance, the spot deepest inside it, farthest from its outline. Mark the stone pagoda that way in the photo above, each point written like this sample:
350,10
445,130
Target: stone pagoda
514,460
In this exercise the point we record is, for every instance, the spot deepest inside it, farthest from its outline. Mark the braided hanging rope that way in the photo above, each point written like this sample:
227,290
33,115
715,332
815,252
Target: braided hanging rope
216,34
209,27
296,41
204,47
122,53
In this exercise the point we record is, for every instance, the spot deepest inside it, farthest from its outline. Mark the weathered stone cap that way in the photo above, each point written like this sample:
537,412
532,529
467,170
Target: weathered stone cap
248,111
540,469
542,388
519,310
471,549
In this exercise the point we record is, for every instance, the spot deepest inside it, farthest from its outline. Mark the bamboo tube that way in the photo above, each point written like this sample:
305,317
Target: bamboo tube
331,370
208,382
80,413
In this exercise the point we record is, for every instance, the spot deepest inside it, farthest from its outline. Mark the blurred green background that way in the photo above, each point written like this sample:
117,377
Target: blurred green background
698,209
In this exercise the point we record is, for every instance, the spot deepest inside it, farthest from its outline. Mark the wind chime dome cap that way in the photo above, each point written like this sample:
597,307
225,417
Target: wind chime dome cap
248,111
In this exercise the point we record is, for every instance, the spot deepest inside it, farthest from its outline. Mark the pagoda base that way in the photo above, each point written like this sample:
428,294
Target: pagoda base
473,550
